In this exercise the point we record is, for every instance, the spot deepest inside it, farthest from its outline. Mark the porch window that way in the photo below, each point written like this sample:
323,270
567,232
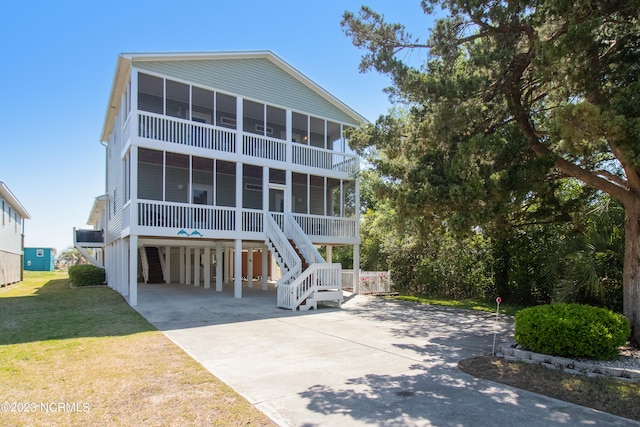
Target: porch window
347,147
277,176
253,117
334,137
316,195
317,132
251,187
225,183
299,193
202,181
202,105
177,178
177,100
276,122
225,110
349,199
150,174
334,197
150,93
300,128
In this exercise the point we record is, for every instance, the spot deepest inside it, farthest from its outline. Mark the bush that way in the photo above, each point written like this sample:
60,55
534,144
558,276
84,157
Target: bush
86,275
572,330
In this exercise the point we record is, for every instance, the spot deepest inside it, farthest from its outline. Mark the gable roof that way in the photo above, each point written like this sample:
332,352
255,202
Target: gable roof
144,60
13,201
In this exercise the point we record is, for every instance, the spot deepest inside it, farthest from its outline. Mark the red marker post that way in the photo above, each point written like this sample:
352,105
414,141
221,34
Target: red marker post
495,331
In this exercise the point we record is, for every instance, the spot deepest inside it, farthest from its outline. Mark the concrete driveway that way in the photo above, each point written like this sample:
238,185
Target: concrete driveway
371,362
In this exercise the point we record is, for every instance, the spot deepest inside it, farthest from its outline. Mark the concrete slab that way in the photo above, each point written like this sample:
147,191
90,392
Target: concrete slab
371,362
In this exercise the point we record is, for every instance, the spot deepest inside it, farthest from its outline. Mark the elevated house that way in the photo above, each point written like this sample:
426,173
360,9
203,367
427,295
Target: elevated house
12,216
224,169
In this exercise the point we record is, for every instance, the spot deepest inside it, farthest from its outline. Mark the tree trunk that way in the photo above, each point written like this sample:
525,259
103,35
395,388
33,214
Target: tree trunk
631,273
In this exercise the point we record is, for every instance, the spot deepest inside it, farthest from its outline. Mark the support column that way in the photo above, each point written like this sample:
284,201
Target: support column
265,267
187,262
219,278
329,254
250,268
196,266
182,273
207,267
237,280
356,269
133,270
227,265
167,264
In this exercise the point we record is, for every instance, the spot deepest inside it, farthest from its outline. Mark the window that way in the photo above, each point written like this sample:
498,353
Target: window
202,181
253,117
9,211
334,137
299,193
176,178
317,132
150,174
225,183
251,181
150,93
225,110
277,176
40,253
276,122
202,105
177,103
299,128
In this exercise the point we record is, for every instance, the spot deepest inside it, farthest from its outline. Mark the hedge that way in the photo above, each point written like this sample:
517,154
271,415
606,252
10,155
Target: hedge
86,275
572,330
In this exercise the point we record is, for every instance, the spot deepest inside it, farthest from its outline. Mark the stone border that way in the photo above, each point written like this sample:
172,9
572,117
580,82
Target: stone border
595,369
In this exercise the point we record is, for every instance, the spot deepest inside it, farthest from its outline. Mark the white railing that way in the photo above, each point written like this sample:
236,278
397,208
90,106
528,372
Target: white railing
317,277
371,282
171,215
265,148
324,159
180,131
282,249
252,220
317,225
195,134
293,231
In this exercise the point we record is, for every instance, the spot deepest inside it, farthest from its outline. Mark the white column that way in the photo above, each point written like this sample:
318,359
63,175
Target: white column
237,282
329,254
196,266
187,262
182,273
167,264
219,278
133,270
356,269
227,264
265,268
207,267
250,267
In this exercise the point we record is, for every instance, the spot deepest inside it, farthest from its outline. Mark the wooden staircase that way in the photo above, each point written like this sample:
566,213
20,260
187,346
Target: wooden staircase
155,266
307,279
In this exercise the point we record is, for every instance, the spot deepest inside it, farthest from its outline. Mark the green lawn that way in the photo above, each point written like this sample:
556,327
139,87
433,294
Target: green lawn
84,357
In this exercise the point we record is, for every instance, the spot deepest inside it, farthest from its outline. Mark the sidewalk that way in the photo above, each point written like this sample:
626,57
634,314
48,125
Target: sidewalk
372,362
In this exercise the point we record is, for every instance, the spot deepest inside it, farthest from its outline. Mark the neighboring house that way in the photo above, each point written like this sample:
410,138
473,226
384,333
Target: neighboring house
12,219
39,259
225,169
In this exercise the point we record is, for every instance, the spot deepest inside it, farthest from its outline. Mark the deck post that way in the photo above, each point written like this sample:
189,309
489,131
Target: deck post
250,267
133,270
219,278
356,269
207,267
237,277
182,265
167,264
196,266
265,267
187,262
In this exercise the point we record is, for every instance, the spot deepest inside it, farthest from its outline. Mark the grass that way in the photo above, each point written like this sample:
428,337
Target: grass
84,357
609,395
468,304
604,394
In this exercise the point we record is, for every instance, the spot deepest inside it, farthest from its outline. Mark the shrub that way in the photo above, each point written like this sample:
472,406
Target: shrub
572,330
86,275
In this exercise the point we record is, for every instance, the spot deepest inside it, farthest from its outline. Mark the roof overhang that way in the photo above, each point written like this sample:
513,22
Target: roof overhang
97,209
125,60
13,201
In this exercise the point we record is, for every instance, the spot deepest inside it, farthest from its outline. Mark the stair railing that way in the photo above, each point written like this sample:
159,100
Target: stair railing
145,264
287,258
297,234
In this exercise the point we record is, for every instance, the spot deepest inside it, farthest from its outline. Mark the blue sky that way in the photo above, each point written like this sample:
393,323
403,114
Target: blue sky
58,65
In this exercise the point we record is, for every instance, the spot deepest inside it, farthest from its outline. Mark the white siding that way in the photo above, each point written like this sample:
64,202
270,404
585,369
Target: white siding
10,230
115,180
